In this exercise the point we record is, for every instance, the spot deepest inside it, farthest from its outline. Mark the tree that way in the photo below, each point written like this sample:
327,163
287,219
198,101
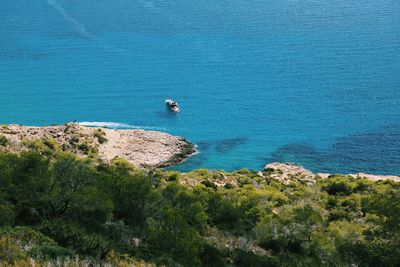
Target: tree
171,236
382,242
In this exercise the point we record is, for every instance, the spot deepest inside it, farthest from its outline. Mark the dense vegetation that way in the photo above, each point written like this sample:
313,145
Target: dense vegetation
55,207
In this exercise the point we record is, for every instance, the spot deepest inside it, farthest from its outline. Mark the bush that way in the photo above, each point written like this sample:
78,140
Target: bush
339,214
11,253
273,245
249,259
84,147
51,252
212,257
7,214
338,185
74,236
172,236
27,236
100,135
228,186
45,147
173,177
51,144
3,140
210,184
74,140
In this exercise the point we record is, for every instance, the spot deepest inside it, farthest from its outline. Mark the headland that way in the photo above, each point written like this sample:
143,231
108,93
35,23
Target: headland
139,147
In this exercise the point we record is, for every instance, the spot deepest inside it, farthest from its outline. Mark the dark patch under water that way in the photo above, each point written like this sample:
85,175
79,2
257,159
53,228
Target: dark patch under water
373,152
370,152
223,145
294,152
227,145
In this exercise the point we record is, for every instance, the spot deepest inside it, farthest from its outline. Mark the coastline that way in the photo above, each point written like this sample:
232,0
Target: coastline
286,172
142,148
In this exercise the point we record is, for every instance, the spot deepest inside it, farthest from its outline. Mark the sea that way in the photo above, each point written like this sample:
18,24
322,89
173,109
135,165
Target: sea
311,82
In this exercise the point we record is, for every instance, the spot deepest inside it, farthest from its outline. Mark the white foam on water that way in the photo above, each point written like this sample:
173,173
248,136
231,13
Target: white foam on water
118,125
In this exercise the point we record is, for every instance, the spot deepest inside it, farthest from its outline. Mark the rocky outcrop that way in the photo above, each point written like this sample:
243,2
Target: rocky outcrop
373,177
139,147
286,172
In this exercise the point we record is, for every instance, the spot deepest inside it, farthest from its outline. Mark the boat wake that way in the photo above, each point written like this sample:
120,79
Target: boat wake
82,30
118,125
79,27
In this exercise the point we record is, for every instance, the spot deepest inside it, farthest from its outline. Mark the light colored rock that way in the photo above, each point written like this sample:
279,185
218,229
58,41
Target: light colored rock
373,177
323,175
286,172
139,147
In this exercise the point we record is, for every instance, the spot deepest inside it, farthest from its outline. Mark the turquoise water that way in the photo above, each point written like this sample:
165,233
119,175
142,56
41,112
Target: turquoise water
310,82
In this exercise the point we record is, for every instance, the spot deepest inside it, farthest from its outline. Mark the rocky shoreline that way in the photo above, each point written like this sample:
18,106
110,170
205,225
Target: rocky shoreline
287,172
139,147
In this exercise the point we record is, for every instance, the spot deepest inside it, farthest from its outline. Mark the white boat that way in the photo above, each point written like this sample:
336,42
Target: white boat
172,105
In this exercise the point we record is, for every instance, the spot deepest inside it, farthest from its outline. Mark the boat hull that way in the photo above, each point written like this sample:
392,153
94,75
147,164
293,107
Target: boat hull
172,106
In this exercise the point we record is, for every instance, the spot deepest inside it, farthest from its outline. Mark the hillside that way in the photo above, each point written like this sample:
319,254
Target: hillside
58,209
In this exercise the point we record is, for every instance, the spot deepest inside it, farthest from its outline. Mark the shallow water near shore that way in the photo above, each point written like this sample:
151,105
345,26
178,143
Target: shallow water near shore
310,82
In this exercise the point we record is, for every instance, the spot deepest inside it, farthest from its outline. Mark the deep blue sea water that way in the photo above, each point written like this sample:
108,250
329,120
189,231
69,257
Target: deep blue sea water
311,82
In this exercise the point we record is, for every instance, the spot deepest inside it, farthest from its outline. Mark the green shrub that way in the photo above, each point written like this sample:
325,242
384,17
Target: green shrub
3,140
11,254
208,183
228,186
87,148
339,214
7,214
174,237
74,236
26,235
338,185
74,140
100,135
173,177
51,252
249,259
45,147
212,257
51,143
